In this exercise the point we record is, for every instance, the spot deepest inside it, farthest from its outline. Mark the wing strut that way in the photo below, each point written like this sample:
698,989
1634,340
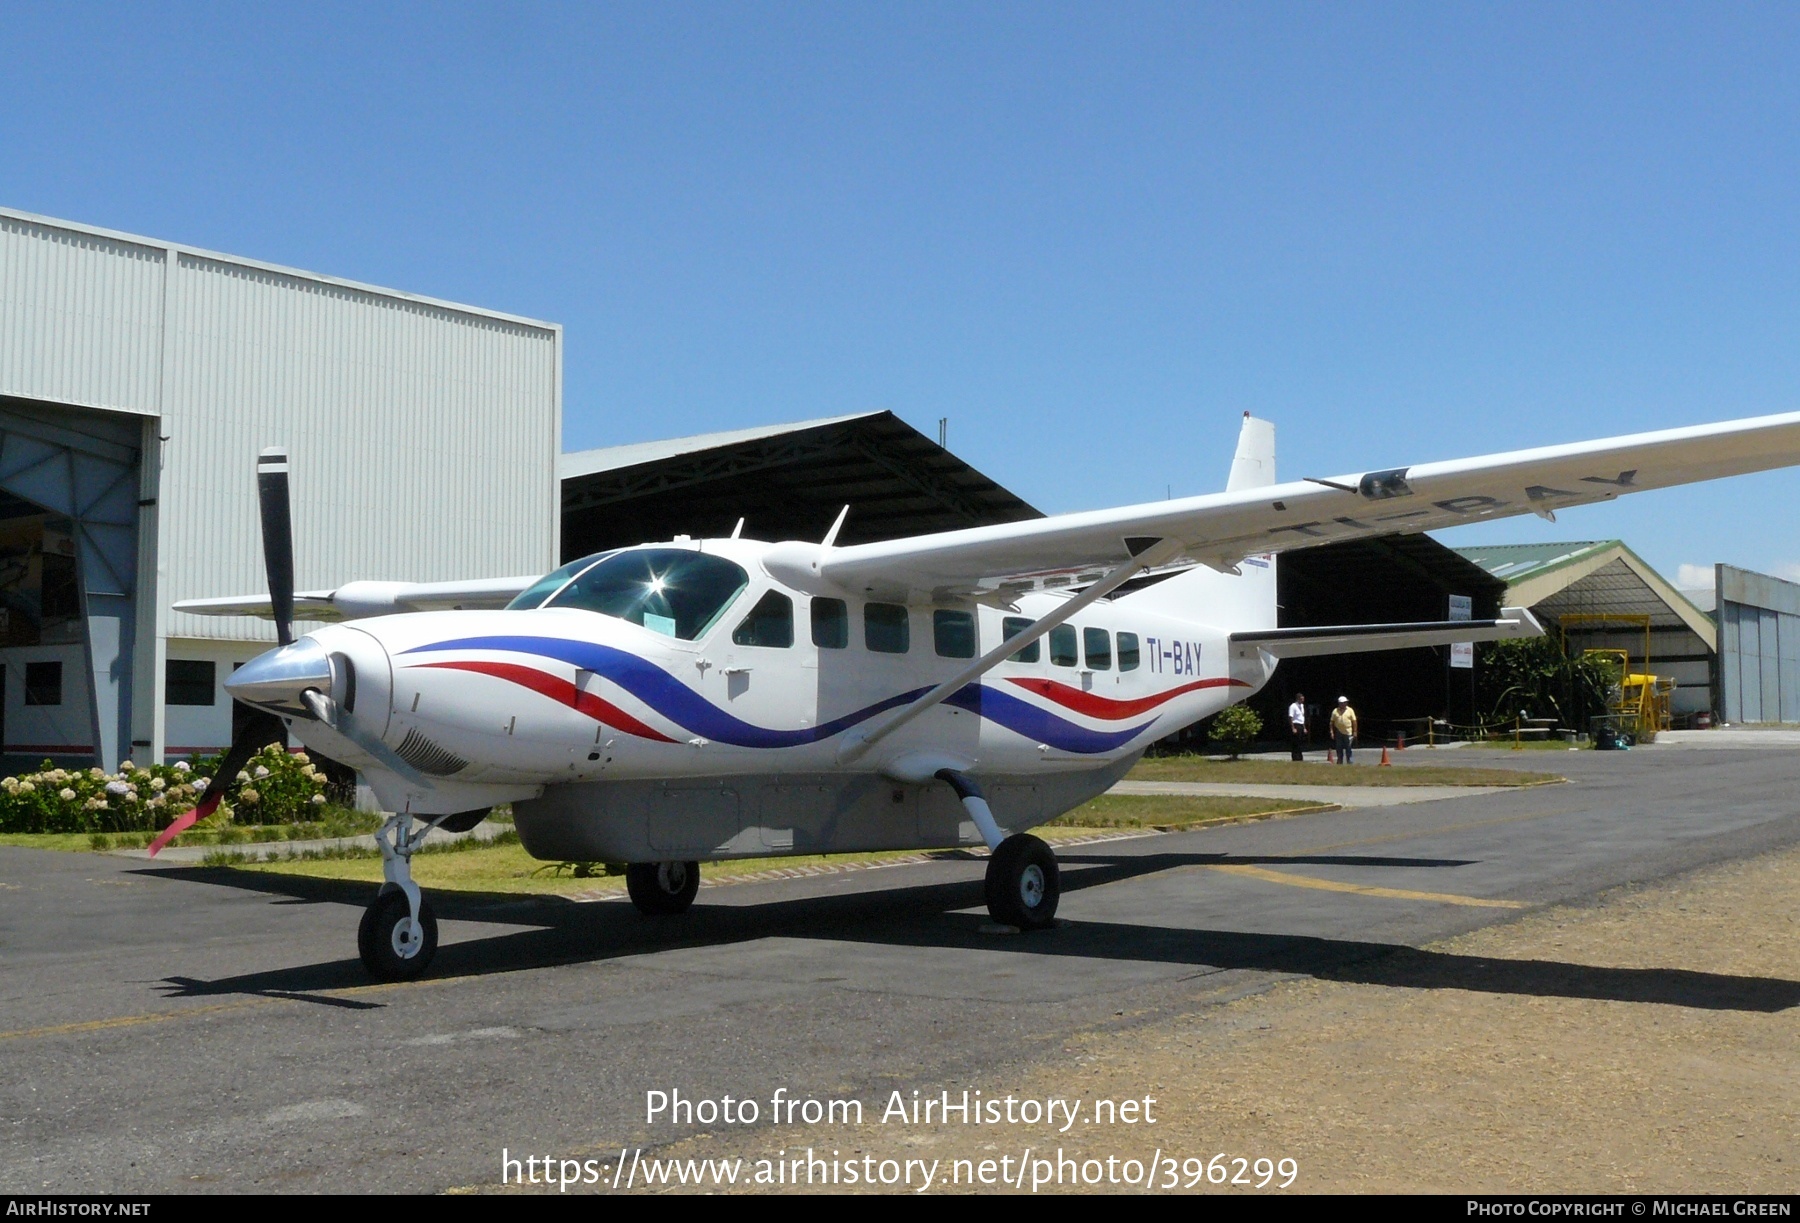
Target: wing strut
1147,554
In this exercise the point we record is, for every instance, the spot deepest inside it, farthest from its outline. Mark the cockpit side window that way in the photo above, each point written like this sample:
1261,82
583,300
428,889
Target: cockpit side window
770,623
672,591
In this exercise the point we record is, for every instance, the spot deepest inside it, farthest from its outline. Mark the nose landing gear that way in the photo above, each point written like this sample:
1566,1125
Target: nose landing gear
396,946
398,935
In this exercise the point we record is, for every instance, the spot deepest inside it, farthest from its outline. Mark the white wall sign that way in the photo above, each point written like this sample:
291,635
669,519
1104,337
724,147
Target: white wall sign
1462,653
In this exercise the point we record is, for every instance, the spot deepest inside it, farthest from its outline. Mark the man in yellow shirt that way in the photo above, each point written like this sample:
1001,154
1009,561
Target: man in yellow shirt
1343,730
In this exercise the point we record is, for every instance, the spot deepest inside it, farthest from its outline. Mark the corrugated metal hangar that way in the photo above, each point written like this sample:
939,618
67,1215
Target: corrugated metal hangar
138,380
1759,648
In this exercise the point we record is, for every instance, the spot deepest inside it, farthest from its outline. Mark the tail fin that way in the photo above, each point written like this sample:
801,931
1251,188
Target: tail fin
1242,601
1253,466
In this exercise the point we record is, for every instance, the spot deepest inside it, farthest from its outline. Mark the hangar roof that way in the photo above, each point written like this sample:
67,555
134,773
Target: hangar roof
612,458
1588,577
786,481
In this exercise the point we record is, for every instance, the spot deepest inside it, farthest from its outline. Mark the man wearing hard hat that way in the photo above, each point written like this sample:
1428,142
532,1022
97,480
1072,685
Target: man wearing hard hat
1343,730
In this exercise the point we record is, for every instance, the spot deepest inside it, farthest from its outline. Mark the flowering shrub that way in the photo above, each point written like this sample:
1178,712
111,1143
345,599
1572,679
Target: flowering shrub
276,787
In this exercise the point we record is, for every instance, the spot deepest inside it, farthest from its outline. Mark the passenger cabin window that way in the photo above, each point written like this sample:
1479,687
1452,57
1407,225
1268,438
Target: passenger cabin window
1062,646
1097,644
885,628
953,633
1012,626
1128,651
770,623
672,591
830,624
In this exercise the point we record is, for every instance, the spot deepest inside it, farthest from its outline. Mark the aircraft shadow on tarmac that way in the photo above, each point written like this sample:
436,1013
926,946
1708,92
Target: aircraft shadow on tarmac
926,915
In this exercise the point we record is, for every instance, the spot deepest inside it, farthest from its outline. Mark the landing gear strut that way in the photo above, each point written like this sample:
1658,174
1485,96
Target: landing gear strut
1023,884
662,889
398,935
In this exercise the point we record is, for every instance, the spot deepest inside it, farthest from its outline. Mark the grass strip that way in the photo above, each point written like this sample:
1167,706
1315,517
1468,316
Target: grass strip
1175,812
1289,773
71,841
503,866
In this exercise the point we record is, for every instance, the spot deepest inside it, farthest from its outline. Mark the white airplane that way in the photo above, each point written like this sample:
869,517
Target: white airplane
695,700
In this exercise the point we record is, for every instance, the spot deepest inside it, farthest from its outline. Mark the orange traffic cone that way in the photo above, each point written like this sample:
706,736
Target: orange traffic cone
1384,757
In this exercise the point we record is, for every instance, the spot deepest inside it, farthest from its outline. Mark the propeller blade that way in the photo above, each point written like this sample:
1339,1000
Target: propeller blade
278,537
260,730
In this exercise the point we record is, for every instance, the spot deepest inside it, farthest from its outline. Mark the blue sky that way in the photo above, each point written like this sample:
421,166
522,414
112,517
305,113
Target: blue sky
1092,236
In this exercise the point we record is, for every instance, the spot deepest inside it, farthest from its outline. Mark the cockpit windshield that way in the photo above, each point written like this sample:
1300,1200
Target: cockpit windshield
674,591
535,594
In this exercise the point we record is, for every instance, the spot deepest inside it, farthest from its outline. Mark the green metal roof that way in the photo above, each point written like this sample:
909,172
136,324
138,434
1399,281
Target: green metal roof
1604,576
1513,563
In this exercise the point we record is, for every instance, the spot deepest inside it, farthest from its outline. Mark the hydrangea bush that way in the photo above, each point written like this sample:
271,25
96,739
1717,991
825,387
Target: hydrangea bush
276,787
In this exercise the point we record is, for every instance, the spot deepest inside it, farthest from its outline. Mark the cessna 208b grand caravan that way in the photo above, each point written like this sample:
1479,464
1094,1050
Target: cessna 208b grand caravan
673,703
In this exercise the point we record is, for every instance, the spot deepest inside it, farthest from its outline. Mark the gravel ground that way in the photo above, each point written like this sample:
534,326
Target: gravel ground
1406,1088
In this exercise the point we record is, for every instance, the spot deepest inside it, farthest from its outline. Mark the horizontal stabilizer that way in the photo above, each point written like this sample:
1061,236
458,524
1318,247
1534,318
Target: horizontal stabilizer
1514,622
359,600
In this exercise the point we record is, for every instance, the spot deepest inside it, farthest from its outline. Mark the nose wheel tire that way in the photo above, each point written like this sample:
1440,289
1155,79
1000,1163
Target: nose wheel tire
660,889
393,947
1023,885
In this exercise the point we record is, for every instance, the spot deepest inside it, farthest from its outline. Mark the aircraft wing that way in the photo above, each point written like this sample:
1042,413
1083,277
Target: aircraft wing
1223,528
355,600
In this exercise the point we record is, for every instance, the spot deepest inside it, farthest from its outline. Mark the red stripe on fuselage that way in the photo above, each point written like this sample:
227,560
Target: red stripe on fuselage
1096,706
562,692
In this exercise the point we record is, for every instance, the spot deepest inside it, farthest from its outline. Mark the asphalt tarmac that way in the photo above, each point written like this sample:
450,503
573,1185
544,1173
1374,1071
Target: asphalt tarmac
176,1028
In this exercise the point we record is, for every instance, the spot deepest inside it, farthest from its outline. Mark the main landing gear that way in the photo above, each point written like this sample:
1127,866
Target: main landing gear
1023,884
399,934
661,889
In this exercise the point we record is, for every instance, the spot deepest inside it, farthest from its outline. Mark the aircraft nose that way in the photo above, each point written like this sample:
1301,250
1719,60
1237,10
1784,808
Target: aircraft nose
276,679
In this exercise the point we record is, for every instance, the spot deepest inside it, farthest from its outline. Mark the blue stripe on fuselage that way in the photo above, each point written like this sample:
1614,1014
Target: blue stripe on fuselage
691,711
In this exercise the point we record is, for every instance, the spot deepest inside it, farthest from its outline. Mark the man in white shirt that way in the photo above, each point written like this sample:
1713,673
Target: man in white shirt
1297,726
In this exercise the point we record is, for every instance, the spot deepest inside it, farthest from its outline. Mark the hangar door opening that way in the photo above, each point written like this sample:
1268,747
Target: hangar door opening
69,480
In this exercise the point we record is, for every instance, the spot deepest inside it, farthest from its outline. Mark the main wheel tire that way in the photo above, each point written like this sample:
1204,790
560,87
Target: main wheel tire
392,948
1023,884
661,889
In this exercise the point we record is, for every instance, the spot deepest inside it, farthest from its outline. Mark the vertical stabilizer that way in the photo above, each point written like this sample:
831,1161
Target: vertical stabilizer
1253,466
1241,600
